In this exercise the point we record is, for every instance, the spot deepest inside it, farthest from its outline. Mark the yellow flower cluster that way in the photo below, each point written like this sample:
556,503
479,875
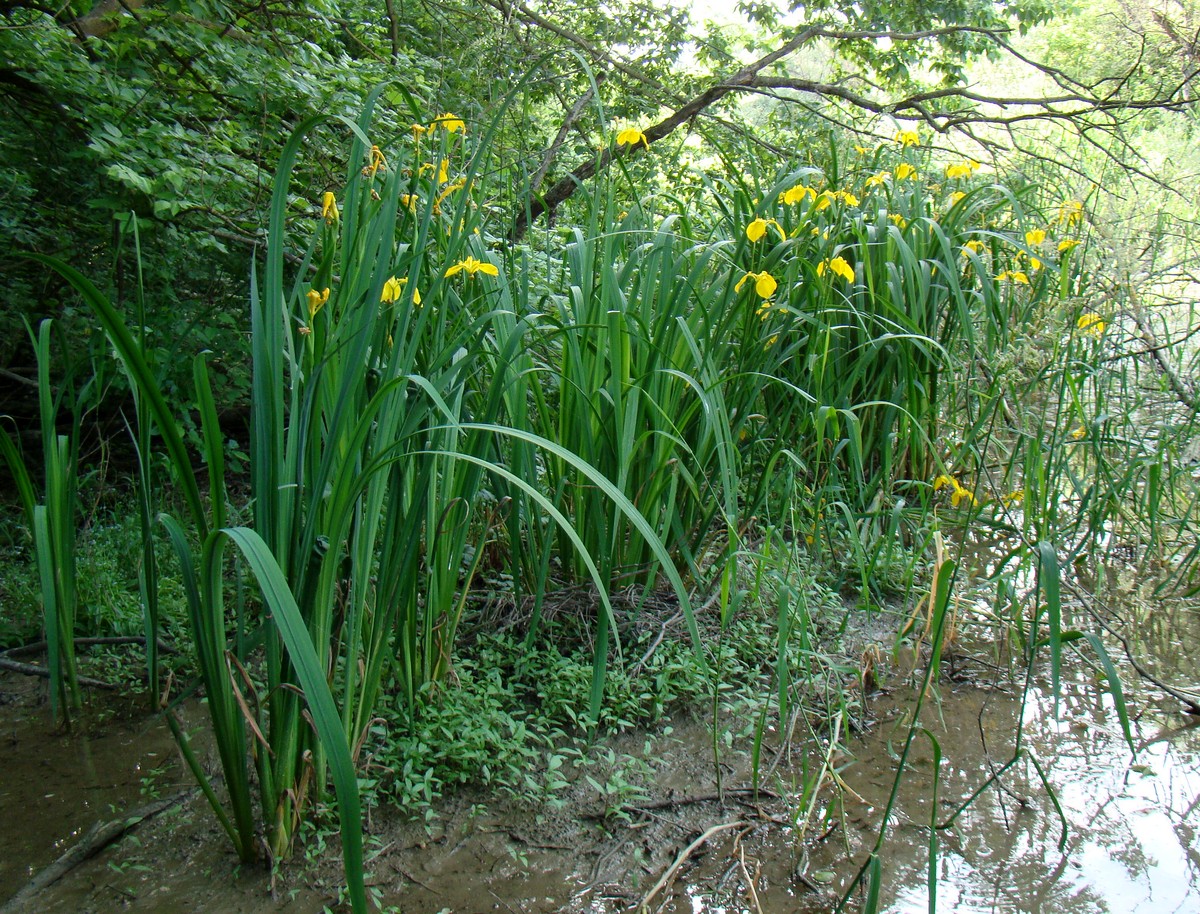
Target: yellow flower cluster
1014,276
1070,213
908,138
822,199
394,288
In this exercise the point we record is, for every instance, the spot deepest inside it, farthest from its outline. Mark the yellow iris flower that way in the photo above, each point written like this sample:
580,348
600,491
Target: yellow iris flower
838,265
958,493
471,266
394,288
631,136
1092,323
798,193
329,208
756,229
1070,213
764,283
316,301
377,161
962,169
449,123
391,291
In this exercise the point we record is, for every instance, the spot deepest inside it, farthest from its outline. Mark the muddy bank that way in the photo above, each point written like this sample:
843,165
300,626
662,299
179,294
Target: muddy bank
1129,842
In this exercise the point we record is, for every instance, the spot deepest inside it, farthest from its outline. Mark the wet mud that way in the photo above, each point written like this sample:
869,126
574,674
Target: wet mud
1099,829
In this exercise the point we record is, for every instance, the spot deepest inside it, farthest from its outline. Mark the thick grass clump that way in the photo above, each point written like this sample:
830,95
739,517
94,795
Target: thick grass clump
675,407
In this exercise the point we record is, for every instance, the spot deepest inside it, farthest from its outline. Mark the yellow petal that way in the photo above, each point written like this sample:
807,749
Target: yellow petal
631,136
391,290
329,210
449,123
765,285
840,266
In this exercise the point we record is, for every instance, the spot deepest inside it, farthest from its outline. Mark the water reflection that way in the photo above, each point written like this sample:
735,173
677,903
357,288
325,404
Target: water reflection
1131,841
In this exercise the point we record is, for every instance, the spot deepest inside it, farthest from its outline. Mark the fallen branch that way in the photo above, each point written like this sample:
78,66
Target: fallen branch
672,871
98,837
30,670
672,802
37,647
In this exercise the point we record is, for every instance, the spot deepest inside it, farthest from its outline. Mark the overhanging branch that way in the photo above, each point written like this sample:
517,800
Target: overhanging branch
943,110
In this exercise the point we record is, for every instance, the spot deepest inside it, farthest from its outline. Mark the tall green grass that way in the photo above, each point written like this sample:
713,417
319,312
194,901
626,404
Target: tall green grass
53,518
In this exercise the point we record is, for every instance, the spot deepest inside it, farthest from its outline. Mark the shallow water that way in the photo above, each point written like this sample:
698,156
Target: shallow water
1111,830
56,784
1131,842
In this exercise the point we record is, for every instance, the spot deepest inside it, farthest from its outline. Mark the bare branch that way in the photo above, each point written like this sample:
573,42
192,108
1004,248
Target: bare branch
571,119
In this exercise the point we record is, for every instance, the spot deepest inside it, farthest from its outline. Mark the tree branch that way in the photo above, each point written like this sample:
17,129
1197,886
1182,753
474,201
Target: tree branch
1097,107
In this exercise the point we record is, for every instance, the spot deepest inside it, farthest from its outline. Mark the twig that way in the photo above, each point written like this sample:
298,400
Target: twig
749,879
20,379
672,802
673,870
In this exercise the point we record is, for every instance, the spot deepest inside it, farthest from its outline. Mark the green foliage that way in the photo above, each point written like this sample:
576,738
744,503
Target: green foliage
710,379
899,62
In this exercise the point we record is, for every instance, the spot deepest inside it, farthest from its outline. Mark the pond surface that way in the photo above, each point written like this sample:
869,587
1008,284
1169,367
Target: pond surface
1109,829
